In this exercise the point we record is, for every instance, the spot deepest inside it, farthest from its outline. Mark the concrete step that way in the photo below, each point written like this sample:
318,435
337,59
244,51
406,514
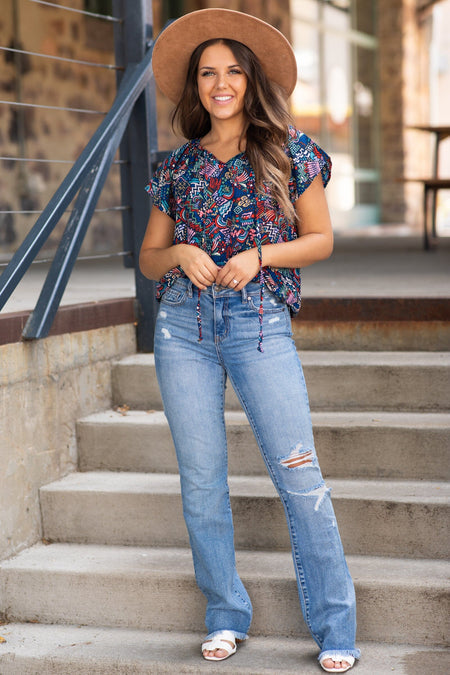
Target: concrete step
375,517
33,649
374,444
154,589
336,381
373,323
373,336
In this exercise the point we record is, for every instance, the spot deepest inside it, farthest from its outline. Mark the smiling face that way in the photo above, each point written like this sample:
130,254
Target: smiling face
221,83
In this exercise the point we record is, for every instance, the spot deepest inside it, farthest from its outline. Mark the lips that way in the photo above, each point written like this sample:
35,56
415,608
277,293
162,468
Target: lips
222,99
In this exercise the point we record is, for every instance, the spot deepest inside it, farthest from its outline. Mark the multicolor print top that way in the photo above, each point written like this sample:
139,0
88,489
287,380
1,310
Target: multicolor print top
216,206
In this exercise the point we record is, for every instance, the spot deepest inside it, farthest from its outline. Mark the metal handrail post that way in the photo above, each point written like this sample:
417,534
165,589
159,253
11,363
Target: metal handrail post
138,147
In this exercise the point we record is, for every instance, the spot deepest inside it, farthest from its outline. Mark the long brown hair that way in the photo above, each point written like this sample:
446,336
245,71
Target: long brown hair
266,115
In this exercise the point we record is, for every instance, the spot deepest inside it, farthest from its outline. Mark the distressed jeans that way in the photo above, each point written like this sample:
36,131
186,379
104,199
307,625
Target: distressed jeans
270,386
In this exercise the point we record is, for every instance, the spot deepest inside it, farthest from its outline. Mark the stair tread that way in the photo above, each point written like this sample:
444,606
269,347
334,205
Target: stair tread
376,418
92,559
338,357
423,492
85,650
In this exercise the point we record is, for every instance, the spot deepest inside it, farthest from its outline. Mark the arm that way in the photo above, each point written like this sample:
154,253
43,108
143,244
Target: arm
158,255
314,243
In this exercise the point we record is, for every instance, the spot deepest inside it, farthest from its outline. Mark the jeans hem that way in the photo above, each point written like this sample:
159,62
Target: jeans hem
337,654
237,634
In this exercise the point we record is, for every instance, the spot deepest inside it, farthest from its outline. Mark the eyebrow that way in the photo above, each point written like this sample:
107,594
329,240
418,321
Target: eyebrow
235,65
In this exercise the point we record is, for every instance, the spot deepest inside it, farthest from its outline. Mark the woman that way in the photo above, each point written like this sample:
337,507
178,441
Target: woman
236,212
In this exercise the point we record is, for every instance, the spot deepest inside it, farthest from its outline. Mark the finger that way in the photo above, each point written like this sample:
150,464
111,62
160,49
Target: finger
240,285
220,277
235,282
205,271
231,282
209,270
207,278
199,280
225,277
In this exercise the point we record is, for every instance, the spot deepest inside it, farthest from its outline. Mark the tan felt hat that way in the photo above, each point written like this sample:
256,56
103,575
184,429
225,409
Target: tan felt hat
175,44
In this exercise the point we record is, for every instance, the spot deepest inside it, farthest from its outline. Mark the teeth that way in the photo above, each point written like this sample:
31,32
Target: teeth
222,98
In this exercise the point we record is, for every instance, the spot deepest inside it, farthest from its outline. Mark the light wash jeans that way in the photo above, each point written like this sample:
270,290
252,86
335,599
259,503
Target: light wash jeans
272,391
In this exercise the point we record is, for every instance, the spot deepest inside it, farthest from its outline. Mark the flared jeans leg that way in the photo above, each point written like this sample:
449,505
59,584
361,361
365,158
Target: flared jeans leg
273,394
192,387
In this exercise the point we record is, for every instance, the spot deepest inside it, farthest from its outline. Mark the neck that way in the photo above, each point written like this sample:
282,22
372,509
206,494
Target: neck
225,132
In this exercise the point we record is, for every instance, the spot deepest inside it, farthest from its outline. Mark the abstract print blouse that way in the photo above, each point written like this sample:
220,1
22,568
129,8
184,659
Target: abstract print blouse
216,206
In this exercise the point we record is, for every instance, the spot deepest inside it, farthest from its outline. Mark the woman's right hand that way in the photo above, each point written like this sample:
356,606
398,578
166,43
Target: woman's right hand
197,265
159,255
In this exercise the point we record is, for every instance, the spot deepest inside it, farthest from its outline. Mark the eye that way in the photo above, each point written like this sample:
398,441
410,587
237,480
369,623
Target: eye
206,73
235,71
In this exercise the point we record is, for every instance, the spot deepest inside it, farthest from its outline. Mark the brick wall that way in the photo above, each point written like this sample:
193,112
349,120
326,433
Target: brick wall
404,96
49,133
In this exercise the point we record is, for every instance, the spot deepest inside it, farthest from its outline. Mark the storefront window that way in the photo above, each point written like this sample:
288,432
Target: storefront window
335,99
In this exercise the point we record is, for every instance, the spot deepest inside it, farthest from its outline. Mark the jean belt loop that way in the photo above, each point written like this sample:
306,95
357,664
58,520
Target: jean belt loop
244,294
189,288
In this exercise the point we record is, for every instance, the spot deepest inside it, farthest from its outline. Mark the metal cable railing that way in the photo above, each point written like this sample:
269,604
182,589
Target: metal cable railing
81,258
77,11
88,173
20,104
15,53
65,59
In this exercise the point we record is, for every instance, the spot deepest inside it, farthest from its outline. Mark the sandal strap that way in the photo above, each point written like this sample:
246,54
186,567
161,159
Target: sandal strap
221,641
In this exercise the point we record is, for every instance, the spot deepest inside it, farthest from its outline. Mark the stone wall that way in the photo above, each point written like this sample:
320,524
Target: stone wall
43,134
45,386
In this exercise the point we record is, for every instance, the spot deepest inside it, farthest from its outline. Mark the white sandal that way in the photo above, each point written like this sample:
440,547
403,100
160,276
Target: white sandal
220,641
338,657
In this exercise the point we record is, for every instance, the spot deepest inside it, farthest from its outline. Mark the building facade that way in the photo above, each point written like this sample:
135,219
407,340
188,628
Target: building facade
368,71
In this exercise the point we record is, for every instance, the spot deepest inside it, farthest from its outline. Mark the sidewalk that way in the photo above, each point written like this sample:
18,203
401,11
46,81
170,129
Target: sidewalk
395,267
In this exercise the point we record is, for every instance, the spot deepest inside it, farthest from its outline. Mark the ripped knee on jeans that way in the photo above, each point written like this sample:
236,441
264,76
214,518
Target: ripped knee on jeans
298,457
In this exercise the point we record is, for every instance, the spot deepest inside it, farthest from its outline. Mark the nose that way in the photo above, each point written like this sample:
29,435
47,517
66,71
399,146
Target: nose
221,81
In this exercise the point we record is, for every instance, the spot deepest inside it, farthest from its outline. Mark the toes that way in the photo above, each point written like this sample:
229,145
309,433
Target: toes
220,653
335,665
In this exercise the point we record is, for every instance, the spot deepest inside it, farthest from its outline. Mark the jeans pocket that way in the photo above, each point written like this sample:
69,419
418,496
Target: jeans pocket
176,294
271,302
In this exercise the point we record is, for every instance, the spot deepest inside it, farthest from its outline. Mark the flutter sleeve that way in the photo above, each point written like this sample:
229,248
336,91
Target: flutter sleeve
308,160
160,187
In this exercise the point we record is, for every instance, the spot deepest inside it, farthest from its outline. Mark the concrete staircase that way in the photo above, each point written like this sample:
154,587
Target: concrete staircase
111,590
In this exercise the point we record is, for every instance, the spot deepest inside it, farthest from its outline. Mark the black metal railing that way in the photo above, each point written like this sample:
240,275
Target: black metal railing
130,124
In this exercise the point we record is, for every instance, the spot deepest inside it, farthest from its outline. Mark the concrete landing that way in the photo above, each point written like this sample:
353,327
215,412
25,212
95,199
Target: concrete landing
82,650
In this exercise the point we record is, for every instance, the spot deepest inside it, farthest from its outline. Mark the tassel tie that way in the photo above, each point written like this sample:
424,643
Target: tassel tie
261,295
256,241
255,236
199,316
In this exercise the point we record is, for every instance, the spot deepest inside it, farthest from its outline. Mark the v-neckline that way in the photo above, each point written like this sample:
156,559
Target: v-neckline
214,157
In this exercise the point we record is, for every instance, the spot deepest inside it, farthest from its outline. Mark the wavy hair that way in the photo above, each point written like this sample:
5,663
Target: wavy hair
266,117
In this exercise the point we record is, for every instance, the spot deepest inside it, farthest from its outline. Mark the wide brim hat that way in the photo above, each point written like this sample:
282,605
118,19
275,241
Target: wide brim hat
175,44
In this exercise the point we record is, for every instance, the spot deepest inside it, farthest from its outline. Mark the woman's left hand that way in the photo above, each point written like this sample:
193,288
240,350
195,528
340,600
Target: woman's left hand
239,270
